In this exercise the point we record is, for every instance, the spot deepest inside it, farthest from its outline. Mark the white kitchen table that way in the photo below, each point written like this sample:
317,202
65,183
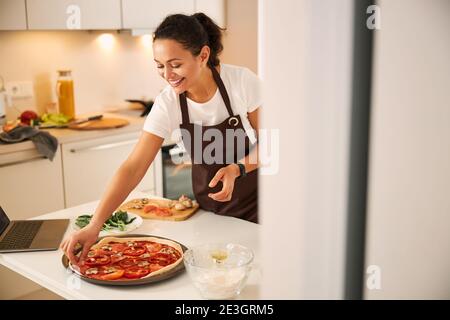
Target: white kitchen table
46,269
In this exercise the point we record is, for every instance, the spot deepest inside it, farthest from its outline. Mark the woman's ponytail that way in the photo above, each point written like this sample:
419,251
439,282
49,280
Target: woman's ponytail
193,32
214,33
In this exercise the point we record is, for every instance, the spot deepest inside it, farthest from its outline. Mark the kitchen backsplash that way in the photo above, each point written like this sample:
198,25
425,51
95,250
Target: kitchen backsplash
107,67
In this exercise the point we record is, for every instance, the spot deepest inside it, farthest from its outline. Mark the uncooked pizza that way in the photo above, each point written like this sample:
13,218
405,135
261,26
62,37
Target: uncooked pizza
162,209
114,259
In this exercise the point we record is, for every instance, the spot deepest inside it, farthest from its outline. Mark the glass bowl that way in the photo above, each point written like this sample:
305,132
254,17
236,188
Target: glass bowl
218,271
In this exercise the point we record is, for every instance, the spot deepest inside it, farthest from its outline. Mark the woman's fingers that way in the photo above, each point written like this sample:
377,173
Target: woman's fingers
70,250
62,246
86,248
84,253
224,194
219,196
228,185
218,176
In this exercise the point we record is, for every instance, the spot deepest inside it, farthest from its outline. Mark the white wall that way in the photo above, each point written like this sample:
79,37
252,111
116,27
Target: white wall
305,62
409,183
240,40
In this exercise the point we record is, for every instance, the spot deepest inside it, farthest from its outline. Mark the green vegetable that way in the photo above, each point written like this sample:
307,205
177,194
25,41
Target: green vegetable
54,118
118,220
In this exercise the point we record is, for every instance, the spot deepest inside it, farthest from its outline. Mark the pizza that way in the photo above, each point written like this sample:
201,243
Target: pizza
114,259
162,209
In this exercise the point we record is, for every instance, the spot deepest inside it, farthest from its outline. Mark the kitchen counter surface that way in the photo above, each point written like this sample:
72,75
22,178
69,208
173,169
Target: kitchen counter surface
65,135
46,269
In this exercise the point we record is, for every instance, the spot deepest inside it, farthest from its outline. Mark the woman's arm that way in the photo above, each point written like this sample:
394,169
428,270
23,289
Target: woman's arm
123,182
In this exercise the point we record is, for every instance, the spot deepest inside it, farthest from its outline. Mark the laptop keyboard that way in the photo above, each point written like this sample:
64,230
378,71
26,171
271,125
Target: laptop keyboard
21,235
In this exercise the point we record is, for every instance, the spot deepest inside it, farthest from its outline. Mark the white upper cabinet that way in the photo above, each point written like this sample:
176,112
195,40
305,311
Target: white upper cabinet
100,14
74,14
13,15
215,9
148,14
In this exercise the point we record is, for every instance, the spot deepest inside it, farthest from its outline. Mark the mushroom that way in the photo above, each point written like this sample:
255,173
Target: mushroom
179,206
183,198
187,203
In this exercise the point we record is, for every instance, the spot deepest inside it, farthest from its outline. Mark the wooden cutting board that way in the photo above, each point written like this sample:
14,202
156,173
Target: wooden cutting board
103,123
177,215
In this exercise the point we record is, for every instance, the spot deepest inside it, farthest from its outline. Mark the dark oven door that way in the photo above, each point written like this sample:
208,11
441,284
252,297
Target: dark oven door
176,168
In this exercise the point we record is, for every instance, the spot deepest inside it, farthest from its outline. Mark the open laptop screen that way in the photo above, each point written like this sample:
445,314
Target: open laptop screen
4,221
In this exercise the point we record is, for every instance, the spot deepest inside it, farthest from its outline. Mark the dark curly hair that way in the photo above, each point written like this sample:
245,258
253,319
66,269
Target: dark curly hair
193,32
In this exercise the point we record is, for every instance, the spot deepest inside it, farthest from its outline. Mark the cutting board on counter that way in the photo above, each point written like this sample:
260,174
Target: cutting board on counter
176,215
103,123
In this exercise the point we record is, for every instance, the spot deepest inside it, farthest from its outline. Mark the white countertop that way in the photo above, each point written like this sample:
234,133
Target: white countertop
65,135
46,269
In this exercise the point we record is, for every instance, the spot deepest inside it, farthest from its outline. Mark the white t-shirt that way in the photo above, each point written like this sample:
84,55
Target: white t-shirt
243,88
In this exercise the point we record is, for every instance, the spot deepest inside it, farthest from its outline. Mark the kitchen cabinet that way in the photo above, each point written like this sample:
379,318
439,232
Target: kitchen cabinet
147,14
62,14
100,14
89,165
13,15
215,9
30,184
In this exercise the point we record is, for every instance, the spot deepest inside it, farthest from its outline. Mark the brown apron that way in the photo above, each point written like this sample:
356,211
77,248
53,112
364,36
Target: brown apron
243,203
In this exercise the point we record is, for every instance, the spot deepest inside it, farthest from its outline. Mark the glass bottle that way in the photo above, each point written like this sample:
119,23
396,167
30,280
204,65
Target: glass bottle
64,91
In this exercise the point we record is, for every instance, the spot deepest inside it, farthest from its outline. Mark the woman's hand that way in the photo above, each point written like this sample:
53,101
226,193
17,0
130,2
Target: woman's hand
86,237
227,175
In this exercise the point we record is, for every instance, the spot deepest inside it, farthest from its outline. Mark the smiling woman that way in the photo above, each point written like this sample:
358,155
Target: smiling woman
203,95
221,100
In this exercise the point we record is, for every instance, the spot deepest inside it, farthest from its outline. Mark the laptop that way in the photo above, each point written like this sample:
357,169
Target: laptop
30,235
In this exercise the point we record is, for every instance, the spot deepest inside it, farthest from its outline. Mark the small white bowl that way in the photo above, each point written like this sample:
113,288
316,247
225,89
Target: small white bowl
219,271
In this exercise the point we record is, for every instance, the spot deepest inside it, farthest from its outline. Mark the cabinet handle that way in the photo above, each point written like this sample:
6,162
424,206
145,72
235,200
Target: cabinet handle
105,146
22,161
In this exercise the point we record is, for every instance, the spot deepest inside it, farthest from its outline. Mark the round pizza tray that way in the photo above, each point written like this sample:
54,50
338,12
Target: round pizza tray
160,277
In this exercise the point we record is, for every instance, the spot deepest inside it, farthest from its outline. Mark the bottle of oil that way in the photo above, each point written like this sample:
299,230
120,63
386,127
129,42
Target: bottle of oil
64,91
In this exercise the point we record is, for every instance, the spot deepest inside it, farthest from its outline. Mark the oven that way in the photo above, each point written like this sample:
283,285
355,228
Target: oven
176,176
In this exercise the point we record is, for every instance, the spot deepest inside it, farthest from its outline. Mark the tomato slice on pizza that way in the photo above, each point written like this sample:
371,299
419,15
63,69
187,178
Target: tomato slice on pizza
97,260
153,247
105,272
134,251
136,272
127,263
159,211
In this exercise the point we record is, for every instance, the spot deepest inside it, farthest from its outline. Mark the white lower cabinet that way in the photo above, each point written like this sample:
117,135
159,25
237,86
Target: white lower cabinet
89,165
30,184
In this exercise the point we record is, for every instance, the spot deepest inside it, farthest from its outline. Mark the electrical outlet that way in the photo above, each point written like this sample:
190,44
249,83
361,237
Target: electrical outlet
19,89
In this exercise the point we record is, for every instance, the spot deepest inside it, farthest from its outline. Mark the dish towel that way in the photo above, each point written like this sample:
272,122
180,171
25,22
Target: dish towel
45,143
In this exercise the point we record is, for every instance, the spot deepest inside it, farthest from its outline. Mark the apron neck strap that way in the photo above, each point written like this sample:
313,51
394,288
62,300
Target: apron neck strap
222,90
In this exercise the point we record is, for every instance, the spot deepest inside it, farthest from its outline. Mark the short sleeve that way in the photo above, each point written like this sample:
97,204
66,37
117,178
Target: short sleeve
251,86
157,121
